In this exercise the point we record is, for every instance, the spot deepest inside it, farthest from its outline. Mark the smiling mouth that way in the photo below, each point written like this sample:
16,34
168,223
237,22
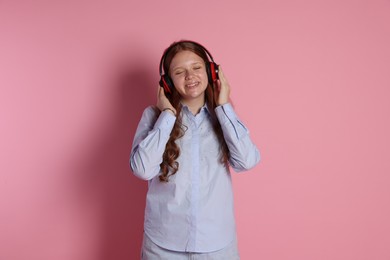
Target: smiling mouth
192,85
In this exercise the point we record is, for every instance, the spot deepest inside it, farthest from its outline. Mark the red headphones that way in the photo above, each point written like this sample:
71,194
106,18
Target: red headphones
211,68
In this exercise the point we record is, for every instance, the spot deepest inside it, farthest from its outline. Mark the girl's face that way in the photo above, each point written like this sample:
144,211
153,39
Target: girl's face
188,73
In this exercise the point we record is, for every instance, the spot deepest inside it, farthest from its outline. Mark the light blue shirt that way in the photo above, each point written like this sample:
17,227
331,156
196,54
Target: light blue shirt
193,212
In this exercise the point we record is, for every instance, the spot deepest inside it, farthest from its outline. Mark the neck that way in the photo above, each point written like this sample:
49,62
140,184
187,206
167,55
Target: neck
194,105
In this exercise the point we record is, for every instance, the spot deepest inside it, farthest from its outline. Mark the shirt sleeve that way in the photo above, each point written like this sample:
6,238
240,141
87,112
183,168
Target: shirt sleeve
244,154
149,143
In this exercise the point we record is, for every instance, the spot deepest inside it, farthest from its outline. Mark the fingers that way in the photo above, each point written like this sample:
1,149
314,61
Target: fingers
220,73
222,76
223,81
223,88
162,101
160,97
160,91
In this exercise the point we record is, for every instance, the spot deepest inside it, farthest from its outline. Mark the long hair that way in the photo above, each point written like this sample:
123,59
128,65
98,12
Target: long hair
169,165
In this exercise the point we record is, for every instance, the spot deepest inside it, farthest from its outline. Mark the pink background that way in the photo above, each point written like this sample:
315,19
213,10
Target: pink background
311,79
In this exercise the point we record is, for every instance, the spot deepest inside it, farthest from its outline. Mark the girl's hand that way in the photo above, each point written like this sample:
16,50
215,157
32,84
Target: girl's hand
163,102
221,89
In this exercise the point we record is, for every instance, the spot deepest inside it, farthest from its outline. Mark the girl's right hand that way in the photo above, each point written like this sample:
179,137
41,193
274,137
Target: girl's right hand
163,102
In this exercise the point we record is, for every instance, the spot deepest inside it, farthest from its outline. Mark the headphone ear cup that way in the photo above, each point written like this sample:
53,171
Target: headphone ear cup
166,84
212,72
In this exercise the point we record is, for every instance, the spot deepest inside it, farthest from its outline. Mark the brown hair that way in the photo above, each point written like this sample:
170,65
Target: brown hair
169,165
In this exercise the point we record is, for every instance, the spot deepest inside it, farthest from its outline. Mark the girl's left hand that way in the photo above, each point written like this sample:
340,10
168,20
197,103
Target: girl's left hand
221,89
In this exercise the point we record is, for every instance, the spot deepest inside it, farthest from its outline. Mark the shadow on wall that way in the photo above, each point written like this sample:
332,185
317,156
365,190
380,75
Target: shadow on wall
120,196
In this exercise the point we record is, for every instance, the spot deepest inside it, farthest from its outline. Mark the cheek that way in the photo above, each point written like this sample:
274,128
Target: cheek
205,78
178,84
176,80
203,75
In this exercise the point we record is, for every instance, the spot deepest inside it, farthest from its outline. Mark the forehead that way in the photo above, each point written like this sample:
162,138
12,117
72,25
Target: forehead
185,57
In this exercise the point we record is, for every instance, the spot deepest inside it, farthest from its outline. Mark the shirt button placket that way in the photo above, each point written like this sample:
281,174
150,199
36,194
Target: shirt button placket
195,182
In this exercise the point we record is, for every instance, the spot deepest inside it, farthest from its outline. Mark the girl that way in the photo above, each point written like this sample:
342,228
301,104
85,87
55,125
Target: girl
184,146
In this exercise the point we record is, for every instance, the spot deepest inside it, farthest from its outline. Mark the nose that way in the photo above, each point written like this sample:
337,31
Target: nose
188,74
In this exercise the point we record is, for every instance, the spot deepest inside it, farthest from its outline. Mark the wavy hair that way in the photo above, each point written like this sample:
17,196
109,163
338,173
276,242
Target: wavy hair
169,165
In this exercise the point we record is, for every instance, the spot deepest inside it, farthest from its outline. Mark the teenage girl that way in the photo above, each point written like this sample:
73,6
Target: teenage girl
184,147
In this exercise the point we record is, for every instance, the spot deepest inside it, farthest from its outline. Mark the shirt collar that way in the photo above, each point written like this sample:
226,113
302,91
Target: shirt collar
204,108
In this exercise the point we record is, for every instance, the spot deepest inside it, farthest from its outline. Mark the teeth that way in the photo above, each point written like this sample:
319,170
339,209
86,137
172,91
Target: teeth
192,85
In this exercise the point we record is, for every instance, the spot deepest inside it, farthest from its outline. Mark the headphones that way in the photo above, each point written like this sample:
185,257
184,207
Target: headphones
211,68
